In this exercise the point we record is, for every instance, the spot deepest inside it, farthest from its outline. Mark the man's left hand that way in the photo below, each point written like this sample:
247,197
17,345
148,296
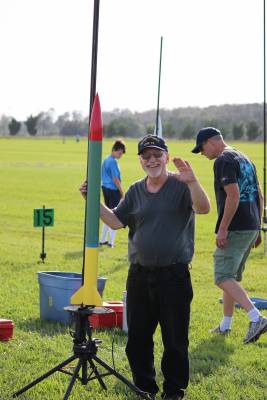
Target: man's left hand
221,238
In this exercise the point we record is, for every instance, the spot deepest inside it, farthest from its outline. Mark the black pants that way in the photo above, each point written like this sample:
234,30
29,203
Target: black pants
111,197
159,295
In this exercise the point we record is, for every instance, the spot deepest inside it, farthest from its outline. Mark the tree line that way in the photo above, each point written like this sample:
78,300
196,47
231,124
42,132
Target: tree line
237,122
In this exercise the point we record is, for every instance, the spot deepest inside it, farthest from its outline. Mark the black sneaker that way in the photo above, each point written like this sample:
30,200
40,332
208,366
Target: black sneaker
102,243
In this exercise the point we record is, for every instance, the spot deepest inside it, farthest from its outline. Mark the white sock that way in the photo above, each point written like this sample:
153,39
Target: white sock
112,234
254,314
105,229
226,323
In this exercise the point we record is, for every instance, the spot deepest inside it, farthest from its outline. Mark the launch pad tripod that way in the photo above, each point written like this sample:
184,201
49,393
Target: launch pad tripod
84,349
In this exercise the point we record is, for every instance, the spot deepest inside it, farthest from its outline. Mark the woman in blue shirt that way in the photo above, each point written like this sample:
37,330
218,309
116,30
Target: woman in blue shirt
111,186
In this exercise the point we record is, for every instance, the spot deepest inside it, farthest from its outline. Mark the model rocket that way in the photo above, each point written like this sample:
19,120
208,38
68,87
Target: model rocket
88,295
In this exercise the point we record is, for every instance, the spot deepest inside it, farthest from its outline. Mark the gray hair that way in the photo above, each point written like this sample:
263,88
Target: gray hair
217,138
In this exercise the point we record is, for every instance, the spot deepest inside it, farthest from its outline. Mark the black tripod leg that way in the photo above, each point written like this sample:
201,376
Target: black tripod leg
98,376
73,379
42,377
121,378
84,371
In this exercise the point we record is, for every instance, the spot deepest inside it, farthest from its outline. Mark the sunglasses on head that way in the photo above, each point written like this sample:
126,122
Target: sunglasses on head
147,156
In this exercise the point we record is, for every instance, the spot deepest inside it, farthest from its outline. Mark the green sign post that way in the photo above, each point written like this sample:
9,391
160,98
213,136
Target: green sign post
42,218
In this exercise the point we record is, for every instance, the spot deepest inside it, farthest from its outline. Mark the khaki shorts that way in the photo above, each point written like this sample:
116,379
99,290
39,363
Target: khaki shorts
229,263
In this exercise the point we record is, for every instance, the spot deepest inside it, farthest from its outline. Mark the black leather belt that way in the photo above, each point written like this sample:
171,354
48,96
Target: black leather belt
145,268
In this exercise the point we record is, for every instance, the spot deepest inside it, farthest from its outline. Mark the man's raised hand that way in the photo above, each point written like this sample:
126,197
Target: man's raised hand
186,173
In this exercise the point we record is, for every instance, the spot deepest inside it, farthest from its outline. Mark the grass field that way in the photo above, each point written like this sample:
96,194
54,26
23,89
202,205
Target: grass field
46,171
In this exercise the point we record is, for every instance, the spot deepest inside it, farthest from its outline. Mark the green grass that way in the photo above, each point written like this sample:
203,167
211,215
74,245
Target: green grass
46,171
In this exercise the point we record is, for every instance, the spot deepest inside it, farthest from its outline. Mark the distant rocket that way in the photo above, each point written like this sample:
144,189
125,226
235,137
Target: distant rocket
88,294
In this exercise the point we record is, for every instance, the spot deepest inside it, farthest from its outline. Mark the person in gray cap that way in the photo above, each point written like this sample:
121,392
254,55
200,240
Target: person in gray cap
159,211
240,204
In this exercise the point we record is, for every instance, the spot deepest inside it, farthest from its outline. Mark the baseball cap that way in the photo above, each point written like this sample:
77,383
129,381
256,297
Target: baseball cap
152,141
203,135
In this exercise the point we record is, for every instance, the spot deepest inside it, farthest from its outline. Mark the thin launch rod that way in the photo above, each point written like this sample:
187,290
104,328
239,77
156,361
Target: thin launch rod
157,115
264,129
92,97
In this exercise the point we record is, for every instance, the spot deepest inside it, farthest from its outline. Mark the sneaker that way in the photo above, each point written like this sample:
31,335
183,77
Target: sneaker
102,243
110,245
255,329
218,331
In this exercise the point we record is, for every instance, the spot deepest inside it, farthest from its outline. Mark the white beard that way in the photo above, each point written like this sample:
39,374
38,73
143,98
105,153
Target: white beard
154,172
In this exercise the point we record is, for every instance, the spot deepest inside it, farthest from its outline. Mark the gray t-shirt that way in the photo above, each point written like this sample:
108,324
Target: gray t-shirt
161,225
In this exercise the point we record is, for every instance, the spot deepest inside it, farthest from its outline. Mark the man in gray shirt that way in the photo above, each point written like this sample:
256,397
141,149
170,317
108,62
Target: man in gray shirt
159,211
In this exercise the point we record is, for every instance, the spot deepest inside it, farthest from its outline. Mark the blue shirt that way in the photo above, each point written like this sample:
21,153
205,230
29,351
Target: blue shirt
110,170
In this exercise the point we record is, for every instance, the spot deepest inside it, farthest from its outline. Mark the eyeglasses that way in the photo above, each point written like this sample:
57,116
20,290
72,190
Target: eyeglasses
147,156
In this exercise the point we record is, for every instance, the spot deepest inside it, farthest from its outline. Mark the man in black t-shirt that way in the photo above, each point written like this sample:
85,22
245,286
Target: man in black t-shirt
239,205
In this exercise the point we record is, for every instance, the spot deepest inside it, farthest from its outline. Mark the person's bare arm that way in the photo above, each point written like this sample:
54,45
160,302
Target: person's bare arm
231,205
118,184
109,217
261,204
201,203
106,214
261,201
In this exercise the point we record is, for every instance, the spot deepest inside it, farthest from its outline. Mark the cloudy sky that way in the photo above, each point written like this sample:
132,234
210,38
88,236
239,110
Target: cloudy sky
212,54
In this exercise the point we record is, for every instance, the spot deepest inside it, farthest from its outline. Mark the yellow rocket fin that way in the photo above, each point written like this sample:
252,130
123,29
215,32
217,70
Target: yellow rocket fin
88,294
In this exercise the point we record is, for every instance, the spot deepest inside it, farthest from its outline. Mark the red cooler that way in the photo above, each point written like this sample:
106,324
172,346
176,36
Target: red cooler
6,329
116,306
102,318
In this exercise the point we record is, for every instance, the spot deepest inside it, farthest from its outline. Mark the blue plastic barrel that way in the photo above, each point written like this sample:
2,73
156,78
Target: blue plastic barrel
56,289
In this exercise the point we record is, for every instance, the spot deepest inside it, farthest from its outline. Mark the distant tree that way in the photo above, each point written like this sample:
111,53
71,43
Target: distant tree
253,130
168,130
238,131
71,128
4,121
122,127
210,122
31,124
188,132
149,129
45,123
60,122
72,124
14,127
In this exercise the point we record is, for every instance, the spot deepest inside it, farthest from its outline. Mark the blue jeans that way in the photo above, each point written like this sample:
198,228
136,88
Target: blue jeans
159,295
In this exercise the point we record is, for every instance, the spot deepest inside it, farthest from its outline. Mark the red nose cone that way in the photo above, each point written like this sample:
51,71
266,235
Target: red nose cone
96,129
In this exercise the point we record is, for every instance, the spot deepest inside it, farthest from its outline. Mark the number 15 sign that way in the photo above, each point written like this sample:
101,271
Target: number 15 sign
43,217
